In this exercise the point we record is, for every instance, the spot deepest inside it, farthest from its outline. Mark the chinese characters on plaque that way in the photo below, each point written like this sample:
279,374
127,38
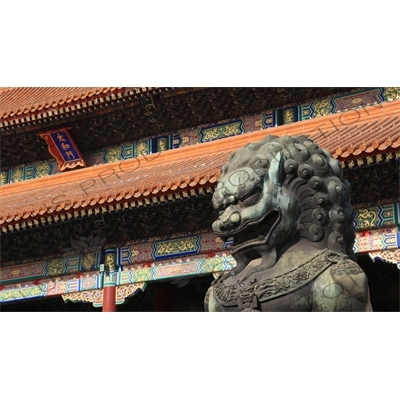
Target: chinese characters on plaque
63,149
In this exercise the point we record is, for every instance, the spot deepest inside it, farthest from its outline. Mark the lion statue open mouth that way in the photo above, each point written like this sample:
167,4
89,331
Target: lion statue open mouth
284,205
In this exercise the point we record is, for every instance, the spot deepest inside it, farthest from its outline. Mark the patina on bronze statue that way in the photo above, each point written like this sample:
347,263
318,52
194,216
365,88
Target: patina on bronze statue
285,206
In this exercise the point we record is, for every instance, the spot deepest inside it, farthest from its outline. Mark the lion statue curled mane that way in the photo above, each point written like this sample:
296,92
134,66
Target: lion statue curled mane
284,208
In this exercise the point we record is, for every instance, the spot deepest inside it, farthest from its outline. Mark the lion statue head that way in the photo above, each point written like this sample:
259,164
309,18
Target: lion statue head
276,191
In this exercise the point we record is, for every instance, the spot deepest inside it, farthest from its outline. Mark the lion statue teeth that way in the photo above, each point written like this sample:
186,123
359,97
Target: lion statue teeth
284,205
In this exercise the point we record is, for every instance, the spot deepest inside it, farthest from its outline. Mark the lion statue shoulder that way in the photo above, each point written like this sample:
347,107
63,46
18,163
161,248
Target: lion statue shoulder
283,206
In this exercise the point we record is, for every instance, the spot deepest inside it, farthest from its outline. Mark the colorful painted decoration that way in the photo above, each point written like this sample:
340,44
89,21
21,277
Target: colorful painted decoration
389,256
207,132
96,296
93,281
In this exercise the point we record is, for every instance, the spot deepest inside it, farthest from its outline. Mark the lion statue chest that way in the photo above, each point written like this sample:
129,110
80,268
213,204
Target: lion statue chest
326,281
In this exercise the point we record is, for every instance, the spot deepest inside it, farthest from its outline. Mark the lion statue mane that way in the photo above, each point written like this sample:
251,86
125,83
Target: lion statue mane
284,207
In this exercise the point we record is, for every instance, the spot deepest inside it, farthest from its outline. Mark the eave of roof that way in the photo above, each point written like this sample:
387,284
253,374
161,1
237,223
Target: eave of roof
353,134
20,102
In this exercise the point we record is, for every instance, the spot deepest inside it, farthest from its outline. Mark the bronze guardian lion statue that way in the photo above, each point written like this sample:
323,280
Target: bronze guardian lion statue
284,205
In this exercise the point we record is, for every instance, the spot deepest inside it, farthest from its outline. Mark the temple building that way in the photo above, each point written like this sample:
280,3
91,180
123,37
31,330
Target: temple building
105,193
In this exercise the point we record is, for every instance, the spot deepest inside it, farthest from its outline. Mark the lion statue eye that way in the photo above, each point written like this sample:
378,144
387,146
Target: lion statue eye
252,199
260,163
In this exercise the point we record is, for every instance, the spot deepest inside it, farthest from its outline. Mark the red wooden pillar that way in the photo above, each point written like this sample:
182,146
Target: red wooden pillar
109,297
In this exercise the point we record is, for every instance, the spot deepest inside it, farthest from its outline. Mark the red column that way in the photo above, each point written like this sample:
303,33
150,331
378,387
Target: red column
109,294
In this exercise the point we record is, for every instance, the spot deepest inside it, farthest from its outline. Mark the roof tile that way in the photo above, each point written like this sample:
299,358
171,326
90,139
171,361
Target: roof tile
189,166
22,101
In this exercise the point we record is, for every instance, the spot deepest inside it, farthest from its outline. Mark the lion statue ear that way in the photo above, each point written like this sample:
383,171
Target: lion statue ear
276,170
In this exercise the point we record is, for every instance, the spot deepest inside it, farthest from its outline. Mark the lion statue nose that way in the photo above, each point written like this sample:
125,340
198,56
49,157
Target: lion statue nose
231,200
